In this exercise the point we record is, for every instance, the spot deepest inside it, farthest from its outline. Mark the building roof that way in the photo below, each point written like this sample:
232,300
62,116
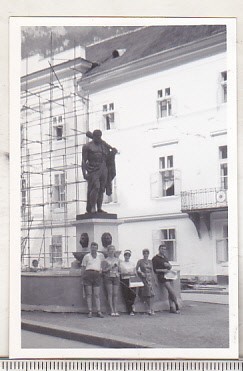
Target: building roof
144,42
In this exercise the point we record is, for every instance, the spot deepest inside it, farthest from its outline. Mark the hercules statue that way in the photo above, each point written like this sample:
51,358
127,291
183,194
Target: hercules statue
98,168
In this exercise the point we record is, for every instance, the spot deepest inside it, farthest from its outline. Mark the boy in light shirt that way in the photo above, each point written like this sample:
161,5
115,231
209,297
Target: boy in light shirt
91,275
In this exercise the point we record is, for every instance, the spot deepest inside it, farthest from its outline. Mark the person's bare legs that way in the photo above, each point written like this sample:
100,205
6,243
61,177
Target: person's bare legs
115,297
109,294
88,293
172,295
96,291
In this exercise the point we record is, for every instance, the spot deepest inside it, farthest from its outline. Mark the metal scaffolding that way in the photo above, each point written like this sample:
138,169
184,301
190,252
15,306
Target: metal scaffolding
51,181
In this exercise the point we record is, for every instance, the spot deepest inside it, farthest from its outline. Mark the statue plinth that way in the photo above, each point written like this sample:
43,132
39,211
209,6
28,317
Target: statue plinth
95,225
96,216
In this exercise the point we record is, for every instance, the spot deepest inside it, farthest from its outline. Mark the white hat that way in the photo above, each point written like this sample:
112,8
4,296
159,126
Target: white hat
128,252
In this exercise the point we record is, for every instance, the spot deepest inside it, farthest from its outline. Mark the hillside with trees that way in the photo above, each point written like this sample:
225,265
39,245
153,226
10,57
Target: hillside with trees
46,40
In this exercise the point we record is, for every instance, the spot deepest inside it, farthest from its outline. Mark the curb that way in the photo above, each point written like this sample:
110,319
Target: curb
109,341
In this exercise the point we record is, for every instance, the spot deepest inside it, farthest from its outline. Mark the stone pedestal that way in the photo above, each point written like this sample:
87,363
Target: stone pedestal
95,225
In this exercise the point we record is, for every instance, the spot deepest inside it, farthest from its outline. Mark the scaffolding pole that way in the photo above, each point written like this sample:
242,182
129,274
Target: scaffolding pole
43,156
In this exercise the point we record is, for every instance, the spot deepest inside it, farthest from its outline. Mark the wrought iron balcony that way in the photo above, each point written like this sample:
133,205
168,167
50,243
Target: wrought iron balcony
204,199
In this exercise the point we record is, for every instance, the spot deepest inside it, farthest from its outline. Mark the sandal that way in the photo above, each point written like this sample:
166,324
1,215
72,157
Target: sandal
151,313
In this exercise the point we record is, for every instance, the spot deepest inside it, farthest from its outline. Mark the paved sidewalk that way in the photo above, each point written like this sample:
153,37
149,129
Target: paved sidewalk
200,325
206,297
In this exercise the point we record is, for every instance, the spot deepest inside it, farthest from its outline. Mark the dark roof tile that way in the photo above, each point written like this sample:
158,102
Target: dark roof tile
144,42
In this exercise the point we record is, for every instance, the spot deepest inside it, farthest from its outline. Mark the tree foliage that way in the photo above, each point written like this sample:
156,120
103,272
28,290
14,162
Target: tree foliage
46,40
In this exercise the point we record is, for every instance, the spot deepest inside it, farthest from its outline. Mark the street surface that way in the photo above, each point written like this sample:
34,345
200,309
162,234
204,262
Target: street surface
200,325
34,340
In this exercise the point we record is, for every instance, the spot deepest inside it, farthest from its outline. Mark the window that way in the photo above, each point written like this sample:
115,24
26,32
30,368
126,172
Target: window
108,116
168,237
22,136
164,103
224,86
167,176
59,190
222,251
56,249
58,127
113,197
223,163
23,195
166,182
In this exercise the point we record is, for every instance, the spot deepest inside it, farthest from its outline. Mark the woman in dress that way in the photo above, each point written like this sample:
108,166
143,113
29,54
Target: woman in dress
144,270
111,270
128,270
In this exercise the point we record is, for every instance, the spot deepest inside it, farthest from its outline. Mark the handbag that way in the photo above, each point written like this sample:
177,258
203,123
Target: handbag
171,275
135,282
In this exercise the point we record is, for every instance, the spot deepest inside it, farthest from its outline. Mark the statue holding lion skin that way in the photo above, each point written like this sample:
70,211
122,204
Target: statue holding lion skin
98,168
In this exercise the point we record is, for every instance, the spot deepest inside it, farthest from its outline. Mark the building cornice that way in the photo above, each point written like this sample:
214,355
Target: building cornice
62,70
166,143
158,62
218,133
128,219
152,218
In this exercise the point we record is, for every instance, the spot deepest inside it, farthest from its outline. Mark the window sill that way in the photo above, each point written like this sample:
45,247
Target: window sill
58,142
224,264
160,119
109,130
58,210
110,203
166,197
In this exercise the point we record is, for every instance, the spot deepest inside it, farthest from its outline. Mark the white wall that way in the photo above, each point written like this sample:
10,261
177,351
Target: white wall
197,112
141,138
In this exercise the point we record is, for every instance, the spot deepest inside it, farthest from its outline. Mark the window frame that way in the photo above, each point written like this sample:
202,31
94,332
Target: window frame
163,171
226,247
164,97
55,255
224,86
108,114
59,190
23,195
57,124
223,161
173,240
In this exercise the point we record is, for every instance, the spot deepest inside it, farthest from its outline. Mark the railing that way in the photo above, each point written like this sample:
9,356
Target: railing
199,199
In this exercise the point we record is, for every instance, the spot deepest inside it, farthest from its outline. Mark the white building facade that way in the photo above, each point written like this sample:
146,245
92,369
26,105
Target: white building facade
166,113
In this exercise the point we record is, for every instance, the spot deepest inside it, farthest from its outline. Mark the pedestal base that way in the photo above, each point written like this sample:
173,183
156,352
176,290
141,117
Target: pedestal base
95,225
62,291
96,216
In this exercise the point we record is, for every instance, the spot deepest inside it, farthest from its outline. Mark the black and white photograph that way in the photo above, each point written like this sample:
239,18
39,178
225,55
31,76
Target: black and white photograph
123,176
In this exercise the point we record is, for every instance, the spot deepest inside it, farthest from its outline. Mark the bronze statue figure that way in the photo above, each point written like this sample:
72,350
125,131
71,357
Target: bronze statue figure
98,168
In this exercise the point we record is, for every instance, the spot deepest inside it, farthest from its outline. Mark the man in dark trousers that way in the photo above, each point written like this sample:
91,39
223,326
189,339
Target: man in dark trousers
98,168
161,266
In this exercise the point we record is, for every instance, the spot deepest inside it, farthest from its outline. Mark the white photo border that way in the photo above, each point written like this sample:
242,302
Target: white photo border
15,350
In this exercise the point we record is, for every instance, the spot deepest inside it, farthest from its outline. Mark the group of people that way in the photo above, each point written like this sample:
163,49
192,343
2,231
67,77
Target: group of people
116,272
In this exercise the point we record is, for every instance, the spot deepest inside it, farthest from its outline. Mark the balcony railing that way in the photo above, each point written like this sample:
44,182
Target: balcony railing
200,199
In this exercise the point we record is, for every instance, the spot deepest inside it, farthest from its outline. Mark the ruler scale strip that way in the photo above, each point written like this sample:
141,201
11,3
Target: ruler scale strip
121,365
